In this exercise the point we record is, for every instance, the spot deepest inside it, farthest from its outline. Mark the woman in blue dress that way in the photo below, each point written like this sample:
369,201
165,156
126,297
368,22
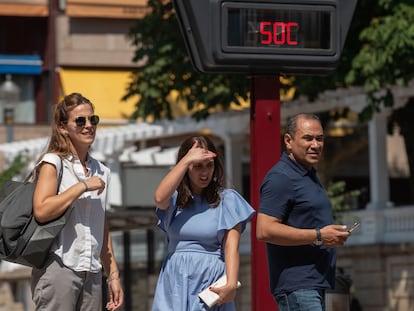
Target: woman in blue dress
203,223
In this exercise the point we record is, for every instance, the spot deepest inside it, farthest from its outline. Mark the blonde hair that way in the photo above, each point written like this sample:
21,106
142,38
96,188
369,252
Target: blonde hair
59,143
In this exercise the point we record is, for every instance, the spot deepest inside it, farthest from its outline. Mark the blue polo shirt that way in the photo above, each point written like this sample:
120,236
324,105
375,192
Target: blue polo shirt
295,195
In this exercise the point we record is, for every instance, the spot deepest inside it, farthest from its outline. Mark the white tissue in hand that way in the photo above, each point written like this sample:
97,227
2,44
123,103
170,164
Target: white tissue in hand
209,297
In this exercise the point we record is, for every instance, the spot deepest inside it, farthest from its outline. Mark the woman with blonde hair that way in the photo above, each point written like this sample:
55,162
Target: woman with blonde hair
72,276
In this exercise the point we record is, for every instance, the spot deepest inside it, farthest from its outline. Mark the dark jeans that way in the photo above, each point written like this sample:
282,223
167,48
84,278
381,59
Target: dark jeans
301,300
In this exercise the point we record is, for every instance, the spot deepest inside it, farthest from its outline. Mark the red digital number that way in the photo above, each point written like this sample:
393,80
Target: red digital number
279,33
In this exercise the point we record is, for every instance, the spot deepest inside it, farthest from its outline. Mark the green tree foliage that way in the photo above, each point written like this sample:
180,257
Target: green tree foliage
386,59
378,54
167,67
310,86
18,164
386,56
341,198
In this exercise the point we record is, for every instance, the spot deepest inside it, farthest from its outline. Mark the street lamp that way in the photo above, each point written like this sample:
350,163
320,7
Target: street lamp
9,98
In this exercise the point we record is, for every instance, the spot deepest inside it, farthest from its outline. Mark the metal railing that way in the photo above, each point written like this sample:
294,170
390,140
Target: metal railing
389,225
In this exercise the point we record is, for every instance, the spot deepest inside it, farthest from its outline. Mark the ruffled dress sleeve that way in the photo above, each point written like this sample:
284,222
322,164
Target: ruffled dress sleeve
165,216
234,209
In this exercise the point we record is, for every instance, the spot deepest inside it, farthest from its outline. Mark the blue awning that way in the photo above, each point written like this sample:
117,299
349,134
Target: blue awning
20,64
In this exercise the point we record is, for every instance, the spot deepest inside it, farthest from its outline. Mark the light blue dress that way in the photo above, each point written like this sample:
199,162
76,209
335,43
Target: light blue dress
195,256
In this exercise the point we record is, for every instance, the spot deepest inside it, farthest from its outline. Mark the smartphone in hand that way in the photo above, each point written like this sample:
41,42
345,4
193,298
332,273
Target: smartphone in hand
353,227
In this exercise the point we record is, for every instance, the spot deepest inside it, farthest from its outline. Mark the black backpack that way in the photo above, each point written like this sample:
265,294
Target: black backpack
22,239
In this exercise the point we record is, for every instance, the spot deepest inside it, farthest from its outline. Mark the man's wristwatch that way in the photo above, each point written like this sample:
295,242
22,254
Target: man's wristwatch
318,240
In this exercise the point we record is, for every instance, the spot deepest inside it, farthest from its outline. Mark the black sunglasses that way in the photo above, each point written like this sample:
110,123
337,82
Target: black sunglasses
81,121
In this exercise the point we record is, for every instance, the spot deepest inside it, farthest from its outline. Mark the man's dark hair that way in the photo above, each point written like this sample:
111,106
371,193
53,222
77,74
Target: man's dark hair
291,124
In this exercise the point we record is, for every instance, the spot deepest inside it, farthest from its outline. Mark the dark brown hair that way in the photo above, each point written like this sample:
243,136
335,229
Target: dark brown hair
212,192
292,122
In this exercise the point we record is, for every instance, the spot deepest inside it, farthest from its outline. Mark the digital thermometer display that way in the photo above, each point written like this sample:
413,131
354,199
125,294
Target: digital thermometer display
278,27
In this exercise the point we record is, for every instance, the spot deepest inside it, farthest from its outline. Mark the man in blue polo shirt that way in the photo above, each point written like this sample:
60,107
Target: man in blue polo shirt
296,222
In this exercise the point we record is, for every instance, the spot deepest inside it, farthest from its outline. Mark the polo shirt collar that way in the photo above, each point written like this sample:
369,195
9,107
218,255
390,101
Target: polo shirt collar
297,167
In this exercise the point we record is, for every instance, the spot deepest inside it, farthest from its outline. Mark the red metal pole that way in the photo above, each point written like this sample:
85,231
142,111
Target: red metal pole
264,153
